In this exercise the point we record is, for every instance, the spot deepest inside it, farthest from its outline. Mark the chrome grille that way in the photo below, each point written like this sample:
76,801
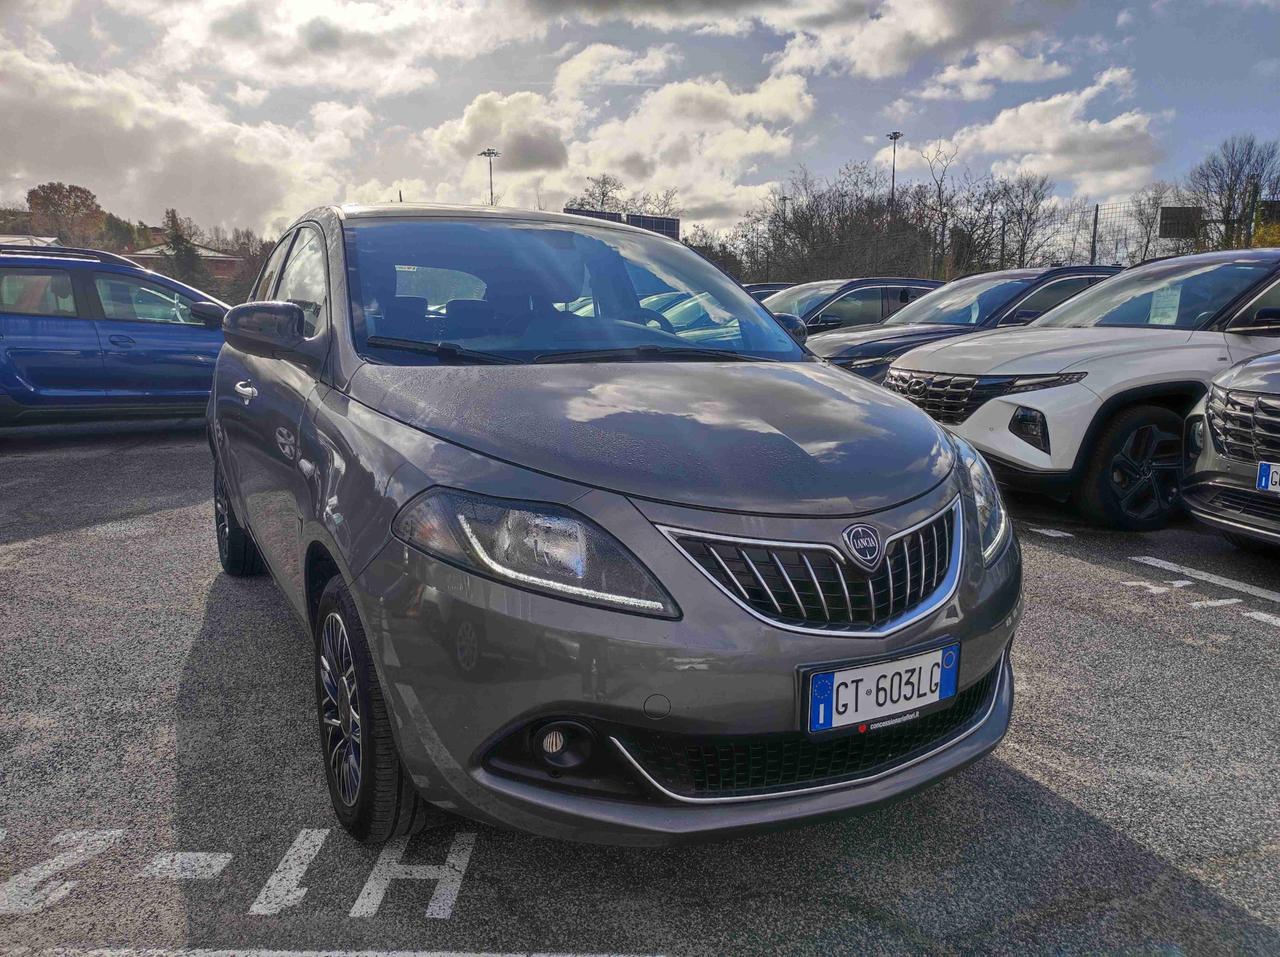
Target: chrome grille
1245,425
947,398
817,587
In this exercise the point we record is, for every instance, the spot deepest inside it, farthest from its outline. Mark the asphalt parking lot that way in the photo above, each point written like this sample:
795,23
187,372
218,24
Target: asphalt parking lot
159,787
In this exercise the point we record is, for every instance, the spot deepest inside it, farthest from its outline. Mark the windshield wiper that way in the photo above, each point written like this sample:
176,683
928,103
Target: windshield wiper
448,351
648,353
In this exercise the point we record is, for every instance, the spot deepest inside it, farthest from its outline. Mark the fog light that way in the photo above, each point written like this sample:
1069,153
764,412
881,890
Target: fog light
564,745
1195,437
1030,426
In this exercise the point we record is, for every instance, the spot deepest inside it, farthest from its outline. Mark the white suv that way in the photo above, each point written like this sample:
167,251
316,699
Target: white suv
1088,400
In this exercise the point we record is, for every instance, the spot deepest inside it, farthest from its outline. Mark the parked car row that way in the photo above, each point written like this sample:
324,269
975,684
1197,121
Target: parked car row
1088,398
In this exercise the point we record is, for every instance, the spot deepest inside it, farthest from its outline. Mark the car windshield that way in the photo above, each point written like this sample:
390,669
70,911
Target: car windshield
471,291
1173,294
962,302
797,300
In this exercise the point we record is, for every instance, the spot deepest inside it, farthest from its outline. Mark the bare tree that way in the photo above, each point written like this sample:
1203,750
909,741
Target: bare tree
1028,215
1227,183
1147,203
603,192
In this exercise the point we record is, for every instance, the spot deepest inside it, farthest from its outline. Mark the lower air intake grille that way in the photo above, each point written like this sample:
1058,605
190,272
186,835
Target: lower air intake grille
816,587
767,764
1257,505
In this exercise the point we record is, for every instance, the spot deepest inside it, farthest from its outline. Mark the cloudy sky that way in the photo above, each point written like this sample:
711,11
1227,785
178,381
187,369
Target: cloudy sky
242,112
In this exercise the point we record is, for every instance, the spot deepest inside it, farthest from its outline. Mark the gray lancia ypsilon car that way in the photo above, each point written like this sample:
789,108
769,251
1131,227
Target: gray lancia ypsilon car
593,575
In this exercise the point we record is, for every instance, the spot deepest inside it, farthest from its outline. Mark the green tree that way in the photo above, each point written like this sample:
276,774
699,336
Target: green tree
181,258
118,234
71,213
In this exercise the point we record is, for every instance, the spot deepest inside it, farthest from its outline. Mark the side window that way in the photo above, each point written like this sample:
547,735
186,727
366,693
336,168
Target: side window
858,308
37,292
1268,300
263,289
1048,296
124,297
304,281
895,297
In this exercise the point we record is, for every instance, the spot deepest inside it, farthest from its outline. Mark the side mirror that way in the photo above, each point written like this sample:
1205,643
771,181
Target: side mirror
794,325
209,313
1265,322
824,321
269,329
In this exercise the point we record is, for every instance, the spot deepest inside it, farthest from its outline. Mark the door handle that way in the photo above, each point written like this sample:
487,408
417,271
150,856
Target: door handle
246,390
120,340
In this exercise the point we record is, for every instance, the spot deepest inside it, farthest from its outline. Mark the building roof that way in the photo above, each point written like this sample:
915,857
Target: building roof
16,240
162,249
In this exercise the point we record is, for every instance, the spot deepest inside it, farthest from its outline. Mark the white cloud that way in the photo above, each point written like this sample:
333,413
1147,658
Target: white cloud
247,95
1054,136
603,64
1001,63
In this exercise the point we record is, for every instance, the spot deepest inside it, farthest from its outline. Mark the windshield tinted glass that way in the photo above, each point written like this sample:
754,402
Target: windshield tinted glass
531,290
797,300
1174,294
962,302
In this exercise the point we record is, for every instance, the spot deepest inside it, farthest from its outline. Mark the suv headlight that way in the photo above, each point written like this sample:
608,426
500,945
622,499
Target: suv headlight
535,545
993,519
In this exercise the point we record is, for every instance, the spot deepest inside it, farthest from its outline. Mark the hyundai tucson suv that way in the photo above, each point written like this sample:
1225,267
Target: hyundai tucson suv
1089,400
1233,448
88,334
832,304
1010,297
584,575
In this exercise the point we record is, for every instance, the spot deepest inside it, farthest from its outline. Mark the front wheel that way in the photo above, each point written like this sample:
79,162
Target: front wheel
371,792
1132,482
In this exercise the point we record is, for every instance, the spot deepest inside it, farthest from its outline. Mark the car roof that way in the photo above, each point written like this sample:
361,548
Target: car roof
497,213
66,256
1262,255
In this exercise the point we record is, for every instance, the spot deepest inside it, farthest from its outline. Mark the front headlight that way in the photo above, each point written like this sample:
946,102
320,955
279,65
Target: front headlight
536,545
1032,383
993,520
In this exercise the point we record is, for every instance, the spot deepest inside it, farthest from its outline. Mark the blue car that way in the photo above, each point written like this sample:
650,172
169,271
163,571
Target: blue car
87,334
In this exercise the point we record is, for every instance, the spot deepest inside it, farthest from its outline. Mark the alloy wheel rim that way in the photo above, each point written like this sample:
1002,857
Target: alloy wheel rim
340,709
1144,473
221,517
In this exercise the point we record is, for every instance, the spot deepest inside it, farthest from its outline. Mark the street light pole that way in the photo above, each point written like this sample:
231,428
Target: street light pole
893,171
491,154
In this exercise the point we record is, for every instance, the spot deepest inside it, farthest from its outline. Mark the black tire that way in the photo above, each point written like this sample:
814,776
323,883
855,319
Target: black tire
1132,481
1252,545
236,551
384,802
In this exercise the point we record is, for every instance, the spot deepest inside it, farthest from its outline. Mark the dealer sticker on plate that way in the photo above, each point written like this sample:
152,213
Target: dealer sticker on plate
873,694
1269,476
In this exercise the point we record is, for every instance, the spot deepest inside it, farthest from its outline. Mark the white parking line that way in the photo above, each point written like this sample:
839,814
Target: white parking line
250,952
34,889
389,867
283,888
1263,617
1243,587
1049,532
187,866
1216,602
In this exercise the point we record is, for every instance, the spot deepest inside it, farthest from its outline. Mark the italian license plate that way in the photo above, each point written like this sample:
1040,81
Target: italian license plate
1269,476
872,695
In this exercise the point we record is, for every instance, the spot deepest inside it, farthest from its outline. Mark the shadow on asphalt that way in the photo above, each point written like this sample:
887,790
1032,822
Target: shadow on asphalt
59,479
989,860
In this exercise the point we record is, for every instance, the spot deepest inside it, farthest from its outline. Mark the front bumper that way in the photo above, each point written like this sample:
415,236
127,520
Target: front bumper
1222,492
467,663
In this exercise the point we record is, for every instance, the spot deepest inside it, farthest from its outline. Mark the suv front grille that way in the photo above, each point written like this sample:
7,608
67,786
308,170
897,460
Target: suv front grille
759,765
817,587
1245,425
949,399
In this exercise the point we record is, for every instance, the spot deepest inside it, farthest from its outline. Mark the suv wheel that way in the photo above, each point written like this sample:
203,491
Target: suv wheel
236,551
371,792
1133,480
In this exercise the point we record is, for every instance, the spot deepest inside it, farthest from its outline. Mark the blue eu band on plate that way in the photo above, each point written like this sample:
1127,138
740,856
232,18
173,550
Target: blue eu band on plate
870,693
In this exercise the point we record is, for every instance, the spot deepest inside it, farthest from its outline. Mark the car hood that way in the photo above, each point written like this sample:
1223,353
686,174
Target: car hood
1261,374
856,341
1035,351
769,438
